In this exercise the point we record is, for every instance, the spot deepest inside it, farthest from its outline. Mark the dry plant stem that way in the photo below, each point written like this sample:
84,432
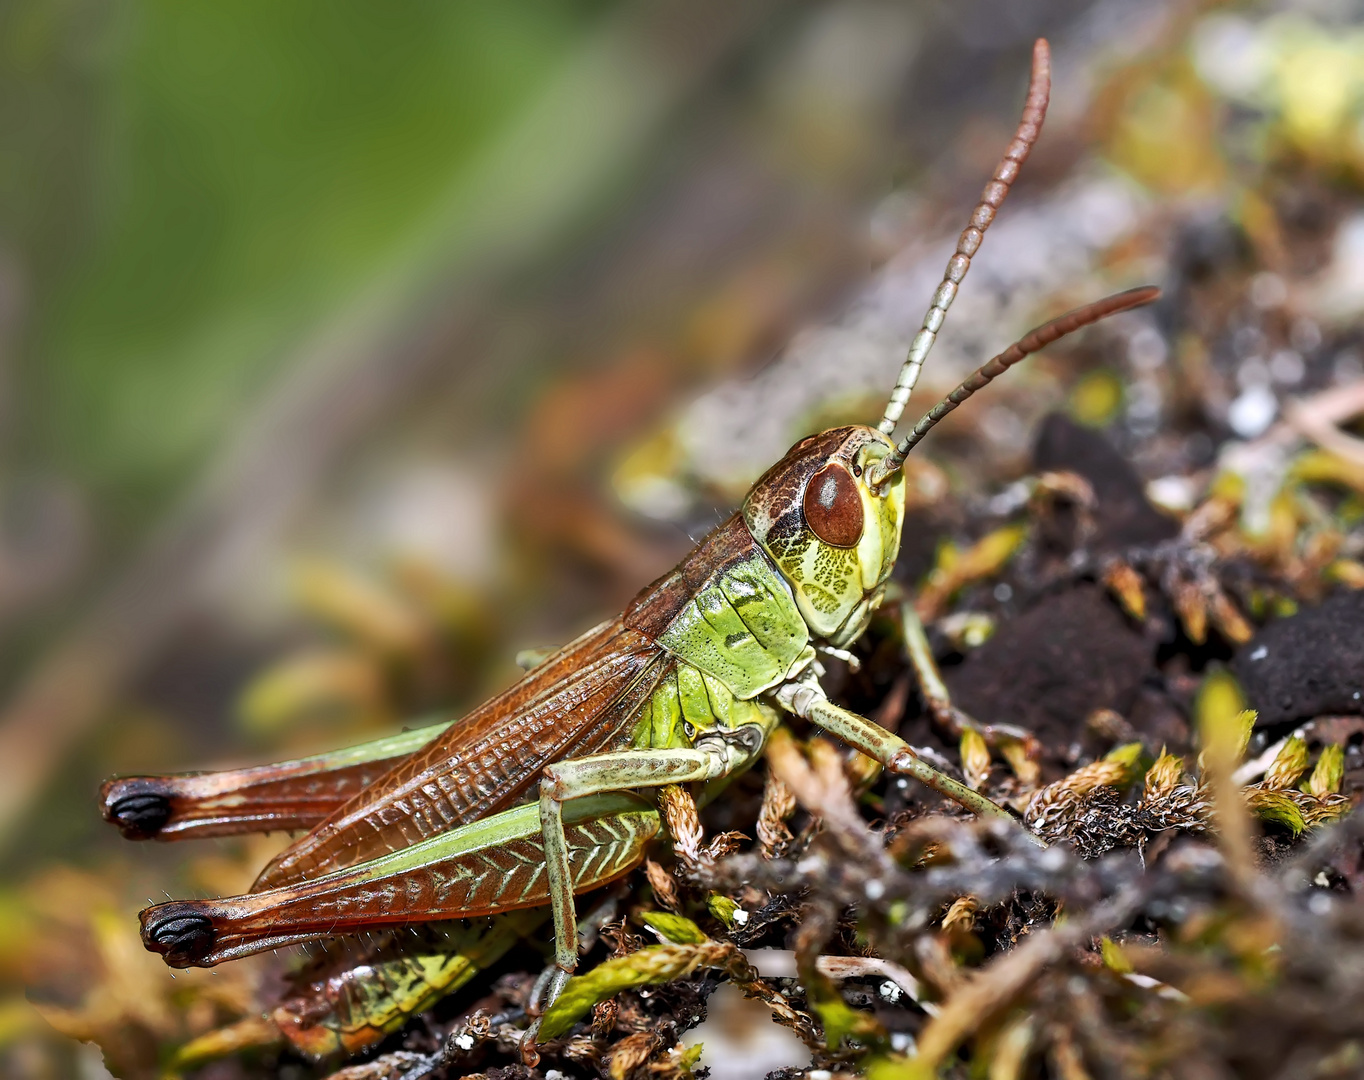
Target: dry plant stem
1319,414
1050,488
684,826
822,790
249,1033
745,976
1066,1058
604,1015
892,709
779,803
863,967
962,914
998,984
1006,172
663,885
1318,418
632,1052
1127,585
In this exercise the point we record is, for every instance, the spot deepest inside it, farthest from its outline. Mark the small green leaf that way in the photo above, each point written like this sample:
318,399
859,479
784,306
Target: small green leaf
686,1061
1330,771
1276,806
1114,958
1284,607
1126,755
841,1022
675,928
646,967
722,907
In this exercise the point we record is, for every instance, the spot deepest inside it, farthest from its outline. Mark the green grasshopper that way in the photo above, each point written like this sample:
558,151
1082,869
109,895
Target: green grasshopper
549,789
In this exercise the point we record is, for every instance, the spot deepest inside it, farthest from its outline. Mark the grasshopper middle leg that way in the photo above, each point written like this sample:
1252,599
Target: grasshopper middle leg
620,771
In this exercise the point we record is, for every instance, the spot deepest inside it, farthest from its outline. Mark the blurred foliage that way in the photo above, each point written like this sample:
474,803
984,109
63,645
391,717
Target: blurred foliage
185,190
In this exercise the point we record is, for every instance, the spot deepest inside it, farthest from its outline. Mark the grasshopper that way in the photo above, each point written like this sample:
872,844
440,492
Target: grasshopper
549,789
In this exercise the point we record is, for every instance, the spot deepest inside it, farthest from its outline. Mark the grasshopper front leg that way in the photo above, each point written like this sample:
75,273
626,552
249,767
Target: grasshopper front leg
806,699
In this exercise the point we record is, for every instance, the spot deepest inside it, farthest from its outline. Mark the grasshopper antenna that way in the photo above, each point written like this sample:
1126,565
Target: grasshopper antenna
1030,343
1006,172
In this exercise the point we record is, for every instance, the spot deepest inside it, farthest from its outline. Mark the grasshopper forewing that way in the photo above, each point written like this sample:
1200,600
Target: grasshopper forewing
546,790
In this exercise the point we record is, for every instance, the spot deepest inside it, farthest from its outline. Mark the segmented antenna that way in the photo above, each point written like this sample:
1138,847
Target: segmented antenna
1030,343
1006,172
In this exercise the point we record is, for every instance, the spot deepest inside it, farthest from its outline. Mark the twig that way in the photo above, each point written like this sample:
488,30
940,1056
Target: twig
993,988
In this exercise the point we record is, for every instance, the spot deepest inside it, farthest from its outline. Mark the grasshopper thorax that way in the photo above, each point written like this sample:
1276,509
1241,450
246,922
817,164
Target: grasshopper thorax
833,536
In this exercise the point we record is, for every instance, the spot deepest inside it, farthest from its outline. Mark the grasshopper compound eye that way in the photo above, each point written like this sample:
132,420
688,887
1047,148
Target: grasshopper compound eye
833,508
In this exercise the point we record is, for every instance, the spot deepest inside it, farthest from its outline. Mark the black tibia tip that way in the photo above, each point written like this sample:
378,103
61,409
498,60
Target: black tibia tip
136,806
180,932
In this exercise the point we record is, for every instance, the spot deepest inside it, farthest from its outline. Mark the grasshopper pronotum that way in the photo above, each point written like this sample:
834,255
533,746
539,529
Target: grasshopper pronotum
548,789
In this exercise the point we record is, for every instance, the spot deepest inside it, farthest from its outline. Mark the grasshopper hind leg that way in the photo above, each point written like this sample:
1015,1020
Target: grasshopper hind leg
141,808
179,932
484,868
282,796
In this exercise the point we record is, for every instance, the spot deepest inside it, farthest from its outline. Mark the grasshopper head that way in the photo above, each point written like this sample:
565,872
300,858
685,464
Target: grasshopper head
831,533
